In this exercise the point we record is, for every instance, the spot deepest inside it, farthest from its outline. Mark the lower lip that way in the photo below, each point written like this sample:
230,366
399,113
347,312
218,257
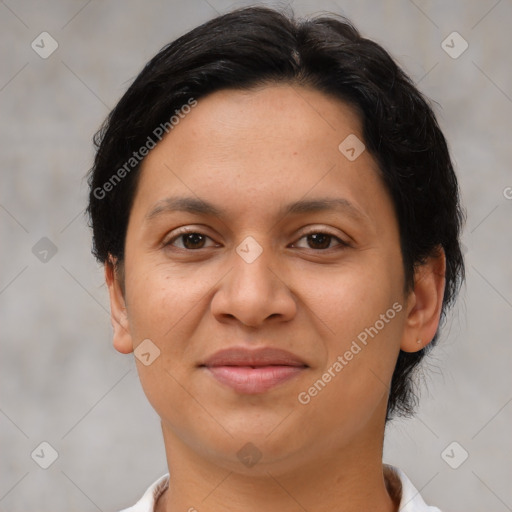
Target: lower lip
245,379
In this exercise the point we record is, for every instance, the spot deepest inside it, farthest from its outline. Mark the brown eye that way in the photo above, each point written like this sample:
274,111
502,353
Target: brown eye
319,240
193,240
189,241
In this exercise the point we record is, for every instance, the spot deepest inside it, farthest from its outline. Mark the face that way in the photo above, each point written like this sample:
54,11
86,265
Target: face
251,229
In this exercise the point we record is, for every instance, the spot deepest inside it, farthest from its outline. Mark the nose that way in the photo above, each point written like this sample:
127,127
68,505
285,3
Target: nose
254,293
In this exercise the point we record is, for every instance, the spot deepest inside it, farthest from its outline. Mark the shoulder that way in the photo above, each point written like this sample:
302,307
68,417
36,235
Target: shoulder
150,497
408,496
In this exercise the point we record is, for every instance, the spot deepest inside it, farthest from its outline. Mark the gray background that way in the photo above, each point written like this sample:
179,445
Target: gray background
61,380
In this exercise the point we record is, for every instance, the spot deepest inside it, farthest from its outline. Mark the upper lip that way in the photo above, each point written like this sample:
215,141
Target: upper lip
266,356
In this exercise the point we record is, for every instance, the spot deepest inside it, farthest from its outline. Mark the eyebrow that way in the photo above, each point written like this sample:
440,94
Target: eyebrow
201,207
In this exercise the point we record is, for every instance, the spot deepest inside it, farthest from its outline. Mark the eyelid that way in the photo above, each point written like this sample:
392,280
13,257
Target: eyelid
311,230
176,233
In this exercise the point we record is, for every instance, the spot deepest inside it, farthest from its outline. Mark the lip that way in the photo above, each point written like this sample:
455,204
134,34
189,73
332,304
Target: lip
253,371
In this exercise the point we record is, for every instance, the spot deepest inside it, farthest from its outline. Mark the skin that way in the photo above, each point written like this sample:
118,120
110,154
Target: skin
250,154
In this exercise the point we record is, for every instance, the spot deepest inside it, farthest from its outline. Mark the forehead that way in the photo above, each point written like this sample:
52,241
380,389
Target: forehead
258,149
279,118
290,112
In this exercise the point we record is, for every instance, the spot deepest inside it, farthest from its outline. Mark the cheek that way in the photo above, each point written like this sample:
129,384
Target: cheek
161,301
163,306
352,297
361,314
350,390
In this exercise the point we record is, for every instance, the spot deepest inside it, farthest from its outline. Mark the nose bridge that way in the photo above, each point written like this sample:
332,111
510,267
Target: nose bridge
252,292
251,272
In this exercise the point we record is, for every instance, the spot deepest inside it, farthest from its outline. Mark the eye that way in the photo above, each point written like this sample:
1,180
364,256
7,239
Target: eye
189,240
320,240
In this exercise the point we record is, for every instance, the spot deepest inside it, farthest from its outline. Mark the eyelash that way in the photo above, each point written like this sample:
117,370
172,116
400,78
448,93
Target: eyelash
341,243
188,231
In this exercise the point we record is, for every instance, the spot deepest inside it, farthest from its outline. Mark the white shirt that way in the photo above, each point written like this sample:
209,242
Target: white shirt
411,501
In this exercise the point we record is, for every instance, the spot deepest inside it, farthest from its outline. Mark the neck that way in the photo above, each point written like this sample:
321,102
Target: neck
345,479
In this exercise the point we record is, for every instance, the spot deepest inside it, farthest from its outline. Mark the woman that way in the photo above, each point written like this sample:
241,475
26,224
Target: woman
279,220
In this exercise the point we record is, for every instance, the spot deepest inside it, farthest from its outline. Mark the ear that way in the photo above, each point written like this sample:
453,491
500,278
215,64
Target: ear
424,303
122,339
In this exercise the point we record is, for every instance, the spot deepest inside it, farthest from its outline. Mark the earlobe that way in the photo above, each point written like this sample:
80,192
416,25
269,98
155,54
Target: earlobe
122,339
425,303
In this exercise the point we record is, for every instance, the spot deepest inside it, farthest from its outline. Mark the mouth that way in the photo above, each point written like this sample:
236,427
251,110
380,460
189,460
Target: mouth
253,371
